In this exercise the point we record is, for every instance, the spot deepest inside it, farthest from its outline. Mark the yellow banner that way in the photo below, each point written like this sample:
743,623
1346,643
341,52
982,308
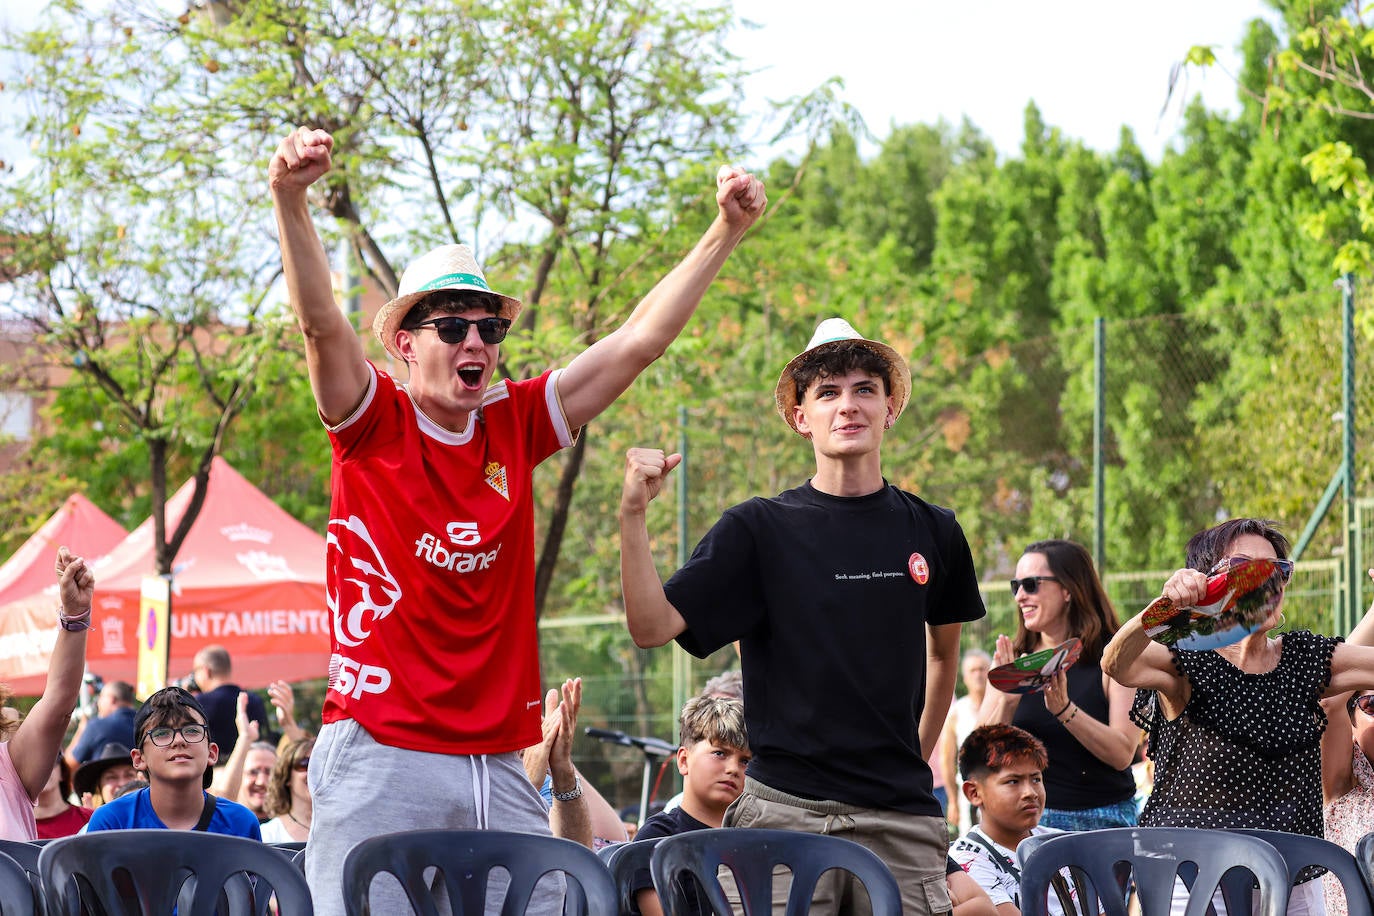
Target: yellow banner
154,634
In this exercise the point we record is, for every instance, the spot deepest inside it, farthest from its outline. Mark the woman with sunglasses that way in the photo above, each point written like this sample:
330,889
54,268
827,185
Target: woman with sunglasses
1083,716
288,795
1235,733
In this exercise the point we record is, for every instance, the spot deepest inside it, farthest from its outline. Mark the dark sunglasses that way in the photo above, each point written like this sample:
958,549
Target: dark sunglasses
1285,567
301,765
453,329
1365,703
1031,584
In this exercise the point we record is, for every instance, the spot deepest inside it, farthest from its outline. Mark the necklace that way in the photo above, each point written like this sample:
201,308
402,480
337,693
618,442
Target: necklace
297,820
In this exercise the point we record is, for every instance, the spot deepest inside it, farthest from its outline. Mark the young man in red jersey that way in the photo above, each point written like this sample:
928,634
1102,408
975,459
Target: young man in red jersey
434,678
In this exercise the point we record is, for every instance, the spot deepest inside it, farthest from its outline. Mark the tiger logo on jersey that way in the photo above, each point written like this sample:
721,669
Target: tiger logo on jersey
496,479
360,572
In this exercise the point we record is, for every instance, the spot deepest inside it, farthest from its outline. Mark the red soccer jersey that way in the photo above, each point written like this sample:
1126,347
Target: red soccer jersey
431,569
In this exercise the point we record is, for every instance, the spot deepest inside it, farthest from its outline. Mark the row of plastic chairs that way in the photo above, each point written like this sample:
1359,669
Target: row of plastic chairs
1253,870
197,874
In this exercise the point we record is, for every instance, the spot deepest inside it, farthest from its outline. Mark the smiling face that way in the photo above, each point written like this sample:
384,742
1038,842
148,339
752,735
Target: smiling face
1362,724
1046,610
257,775
845,415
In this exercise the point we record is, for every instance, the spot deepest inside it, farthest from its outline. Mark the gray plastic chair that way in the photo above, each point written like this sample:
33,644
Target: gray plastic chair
1156,856
751,854
1302,852
16,893
26,854
153,871
464,860
629,860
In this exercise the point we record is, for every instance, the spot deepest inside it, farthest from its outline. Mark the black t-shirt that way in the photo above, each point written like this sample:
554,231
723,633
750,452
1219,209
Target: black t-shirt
1075,778
830,597
671,823
221,706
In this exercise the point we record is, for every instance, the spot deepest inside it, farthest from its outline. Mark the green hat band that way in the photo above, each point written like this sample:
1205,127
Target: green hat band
454,280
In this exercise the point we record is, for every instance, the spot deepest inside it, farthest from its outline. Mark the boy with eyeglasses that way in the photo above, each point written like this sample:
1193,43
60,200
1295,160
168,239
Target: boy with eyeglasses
173,746
434,677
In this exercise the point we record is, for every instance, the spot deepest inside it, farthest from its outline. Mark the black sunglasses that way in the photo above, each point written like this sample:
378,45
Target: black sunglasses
1284,567
453,329
1366,704
1031,584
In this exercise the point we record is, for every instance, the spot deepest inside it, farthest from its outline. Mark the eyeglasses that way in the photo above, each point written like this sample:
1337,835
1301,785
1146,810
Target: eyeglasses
1366,703
1031,584
453,329
1284,567
300,766
162,736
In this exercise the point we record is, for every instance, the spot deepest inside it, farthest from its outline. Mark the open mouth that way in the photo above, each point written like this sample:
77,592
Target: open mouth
471,376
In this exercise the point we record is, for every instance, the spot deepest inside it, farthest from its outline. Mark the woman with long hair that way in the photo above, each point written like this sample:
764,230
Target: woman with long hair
288,795
54,813
1083,716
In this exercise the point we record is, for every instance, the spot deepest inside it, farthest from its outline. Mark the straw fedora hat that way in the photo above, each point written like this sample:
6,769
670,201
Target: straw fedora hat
831,334
446,267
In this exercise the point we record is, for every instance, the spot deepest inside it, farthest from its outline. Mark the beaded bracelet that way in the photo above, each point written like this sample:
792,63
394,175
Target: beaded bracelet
73,624
1065,722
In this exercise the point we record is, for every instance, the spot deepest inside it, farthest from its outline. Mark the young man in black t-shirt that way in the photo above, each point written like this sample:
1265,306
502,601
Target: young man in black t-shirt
847,596
711,759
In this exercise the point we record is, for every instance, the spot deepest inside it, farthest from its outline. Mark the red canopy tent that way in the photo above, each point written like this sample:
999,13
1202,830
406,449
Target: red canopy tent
80,525
248,577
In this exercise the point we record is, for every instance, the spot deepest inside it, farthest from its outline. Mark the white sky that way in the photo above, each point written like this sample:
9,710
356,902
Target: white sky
1090,65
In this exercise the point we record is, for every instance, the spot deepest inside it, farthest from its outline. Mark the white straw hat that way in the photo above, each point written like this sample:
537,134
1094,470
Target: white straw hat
447,267
831,334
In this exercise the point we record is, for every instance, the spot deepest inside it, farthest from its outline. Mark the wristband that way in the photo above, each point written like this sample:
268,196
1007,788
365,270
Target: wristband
1065,722
73,624
572,794
1064,710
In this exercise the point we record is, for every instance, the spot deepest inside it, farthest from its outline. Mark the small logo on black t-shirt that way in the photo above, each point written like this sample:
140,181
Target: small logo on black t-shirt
919,568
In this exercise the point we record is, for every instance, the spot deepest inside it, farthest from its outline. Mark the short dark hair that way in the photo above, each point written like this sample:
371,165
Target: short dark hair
451,300
837,360
1207,547
172,706
991,747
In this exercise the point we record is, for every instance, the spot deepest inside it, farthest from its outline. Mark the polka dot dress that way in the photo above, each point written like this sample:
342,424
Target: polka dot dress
1246,750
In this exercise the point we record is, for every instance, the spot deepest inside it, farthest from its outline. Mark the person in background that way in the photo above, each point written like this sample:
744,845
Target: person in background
1083,716
712,757
1235,732
114,723
28,745
283,700
219,696
1002,767
54,813
288,795
963,719
173,746
96,779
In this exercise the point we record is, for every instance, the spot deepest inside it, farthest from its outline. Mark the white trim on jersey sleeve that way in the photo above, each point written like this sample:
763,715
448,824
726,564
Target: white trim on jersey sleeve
361,409
566,437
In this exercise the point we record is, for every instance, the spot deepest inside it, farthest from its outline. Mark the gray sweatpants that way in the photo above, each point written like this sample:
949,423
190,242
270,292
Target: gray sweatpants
363,789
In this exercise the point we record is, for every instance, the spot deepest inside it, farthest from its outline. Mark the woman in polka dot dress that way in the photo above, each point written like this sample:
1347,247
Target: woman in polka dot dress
1235,733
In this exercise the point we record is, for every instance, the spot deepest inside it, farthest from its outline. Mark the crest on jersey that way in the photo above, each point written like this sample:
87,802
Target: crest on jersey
496,479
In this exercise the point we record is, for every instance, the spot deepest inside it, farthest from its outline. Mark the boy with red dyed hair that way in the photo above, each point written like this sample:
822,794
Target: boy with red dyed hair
1003,771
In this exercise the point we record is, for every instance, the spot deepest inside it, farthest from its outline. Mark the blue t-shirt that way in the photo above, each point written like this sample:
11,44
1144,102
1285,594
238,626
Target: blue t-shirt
135,811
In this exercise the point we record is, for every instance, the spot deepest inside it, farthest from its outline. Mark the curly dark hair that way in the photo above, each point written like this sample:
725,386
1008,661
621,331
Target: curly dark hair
450,300
837,360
